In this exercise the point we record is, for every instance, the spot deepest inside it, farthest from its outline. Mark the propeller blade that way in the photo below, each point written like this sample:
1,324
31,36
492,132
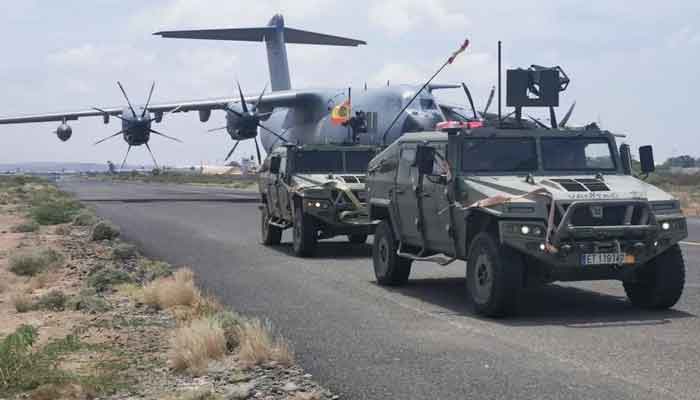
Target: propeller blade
106,113
152,156
148,102
243,104
127,98
217,129
471,100
231,110
125,157
273,132
257,150
255,106
165,136
230,153
565,120
174,110
107,138
490,100
538,122
552,117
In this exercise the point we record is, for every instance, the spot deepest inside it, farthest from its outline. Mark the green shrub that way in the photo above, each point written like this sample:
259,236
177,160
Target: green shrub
104,278
16,363
150,270
31,226
50,207
104,230
84,218
231,323
54,300
23,303
89,302
124,251
32,262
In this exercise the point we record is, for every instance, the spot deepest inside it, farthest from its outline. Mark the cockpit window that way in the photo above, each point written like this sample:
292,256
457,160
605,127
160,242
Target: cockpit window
427,104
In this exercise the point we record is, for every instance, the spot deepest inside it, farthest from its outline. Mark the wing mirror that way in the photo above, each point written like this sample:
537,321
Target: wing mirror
646,158
275,165
626,158
425,159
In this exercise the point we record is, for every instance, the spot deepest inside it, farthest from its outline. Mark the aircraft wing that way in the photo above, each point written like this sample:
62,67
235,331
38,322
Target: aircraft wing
288,98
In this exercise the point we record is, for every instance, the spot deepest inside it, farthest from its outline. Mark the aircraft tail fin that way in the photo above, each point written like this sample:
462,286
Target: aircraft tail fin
275,36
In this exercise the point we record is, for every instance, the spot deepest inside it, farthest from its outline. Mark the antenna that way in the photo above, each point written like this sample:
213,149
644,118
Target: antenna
449,61
499,83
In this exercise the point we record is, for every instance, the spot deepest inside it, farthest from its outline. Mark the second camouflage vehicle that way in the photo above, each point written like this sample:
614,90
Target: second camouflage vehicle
524,205
319,191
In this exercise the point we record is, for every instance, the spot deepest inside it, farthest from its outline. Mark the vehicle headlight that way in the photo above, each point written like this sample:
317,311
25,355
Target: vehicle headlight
666,226
525,230
317,204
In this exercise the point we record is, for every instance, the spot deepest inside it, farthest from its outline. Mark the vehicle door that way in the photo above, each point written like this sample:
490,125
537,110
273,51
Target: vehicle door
283,195
435,203
404,196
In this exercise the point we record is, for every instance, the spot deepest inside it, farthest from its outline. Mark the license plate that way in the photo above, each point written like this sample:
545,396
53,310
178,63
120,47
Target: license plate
606,259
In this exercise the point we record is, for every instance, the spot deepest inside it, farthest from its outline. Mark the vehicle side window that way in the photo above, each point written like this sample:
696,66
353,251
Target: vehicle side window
283,165
406,161
440,166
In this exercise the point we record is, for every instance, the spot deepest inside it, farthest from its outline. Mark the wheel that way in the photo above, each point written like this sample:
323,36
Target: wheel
304,234
358,238
389,268
270,234
659,282
494,276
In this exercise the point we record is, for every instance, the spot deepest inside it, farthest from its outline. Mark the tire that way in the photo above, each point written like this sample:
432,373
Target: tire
389,268
271,234
358,238
660,282
494,276
304,234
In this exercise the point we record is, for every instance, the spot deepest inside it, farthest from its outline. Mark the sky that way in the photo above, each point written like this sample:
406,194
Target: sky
633,65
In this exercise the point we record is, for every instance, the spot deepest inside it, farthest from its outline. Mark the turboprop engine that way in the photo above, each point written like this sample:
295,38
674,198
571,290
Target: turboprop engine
64,132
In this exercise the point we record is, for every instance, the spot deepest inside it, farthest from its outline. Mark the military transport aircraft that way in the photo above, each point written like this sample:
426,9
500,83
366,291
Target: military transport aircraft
285,114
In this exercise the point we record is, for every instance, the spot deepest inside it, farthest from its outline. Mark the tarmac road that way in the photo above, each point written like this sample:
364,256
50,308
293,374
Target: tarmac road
574,341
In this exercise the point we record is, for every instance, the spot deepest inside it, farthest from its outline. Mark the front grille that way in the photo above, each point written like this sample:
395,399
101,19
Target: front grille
595,214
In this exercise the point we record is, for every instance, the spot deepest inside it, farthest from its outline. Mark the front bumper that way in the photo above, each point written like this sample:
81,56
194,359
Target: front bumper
340,219
569,242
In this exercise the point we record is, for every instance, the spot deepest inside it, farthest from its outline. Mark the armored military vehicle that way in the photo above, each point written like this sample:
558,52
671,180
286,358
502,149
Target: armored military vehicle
525,204
319,191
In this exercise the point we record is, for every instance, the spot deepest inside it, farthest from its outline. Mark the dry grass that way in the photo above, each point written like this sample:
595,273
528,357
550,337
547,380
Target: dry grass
177,290
200,307
40,281
194,345
68,391
257,346
22,302
306,396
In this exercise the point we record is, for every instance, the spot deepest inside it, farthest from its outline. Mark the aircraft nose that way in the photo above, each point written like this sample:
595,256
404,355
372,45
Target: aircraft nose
419,122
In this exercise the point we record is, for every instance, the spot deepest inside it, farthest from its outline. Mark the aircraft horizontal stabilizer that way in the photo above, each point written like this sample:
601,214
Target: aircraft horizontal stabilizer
259,35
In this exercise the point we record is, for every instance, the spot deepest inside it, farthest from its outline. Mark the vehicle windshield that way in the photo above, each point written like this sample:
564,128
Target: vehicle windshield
356,161
316,161
576,154
499,155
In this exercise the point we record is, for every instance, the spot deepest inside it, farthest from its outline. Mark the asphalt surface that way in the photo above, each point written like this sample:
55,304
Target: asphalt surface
422,341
